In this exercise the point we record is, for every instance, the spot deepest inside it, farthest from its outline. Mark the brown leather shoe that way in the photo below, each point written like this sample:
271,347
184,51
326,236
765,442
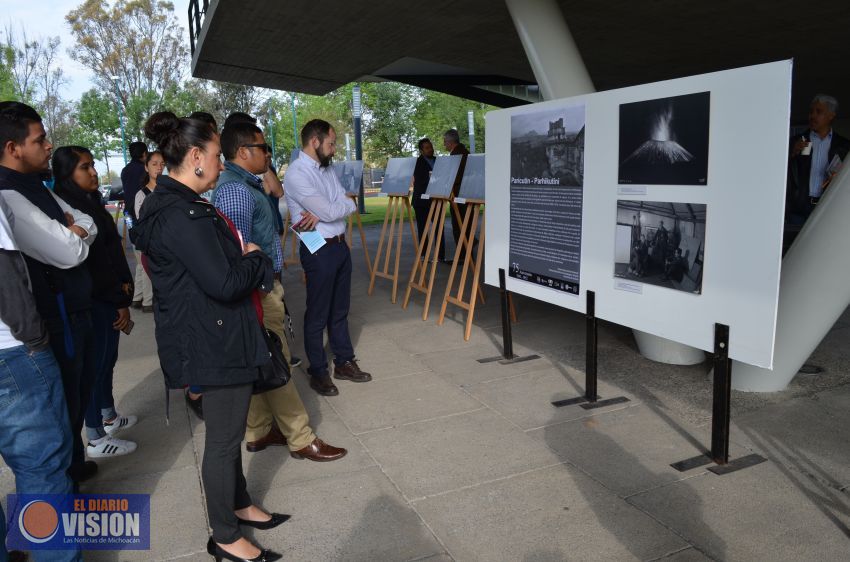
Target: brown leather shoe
349,371
319,451
323,385
273,438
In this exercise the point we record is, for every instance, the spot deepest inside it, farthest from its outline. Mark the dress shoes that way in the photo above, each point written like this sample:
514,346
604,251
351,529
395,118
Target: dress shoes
273,438
323,385
349,371
319,451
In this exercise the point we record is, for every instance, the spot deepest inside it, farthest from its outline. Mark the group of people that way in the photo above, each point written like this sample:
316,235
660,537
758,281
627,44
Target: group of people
422,177
212,264
658,254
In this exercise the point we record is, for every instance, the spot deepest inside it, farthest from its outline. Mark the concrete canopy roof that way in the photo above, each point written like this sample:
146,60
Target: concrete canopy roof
454,46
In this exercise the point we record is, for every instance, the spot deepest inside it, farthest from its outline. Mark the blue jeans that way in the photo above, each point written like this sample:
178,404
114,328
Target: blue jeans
103,314
328,274
35,436
78,373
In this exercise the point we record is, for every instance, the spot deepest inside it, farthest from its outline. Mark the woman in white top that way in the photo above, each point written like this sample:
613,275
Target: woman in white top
154,165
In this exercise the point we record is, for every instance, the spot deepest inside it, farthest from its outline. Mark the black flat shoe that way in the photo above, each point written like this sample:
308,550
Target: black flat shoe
220,554
277,519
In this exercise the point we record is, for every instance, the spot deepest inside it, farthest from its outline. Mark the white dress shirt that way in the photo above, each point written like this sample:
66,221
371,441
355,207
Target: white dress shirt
310,187
45,239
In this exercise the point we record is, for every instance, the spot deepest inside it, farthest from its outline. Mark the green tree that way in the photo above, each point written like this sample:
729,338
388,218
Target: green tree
96,124
436,113
139,41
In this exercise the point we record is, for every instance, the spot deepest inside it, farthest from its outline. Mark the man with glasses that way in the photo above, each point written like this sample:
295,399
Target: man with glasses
276,417
313,187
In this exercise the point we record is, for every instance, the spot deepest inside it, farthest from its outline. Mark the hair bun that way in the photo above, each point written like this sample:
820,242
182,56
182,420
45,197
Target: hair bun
160,126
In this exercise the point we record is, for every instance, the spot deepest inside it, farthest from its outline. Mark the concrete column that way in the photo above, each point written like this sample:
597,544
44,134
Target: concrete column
551,50
561,73
814,290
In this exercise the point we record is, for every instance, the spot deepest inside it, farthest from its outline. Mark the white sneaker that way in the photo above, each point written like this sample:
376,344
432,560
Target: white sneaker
119,423
108,446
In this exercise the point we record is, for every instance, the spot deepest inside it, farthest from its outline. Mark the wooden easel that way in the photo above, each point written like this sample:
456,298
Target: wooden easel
434,228
395,219
349,238
293,257
463,254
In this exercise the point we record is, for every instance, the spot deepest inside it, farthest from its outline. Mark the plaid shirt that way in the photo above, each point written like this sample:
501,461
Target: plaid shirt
234,200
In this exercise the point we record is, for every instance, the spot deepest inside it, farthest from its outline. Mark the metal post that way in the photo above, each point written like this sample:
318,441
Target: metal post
120,117
722,395
271,133
470,120
294,120
347,146
357,110
591,351
507,337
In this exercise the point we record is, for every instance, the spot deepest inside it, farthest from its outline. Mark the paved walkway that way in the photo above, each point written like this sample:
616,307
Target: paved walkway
450,459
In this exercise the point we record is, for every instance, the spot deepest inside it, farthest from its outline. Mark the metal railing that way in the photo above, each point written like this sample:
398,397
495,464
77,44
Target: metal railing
197,8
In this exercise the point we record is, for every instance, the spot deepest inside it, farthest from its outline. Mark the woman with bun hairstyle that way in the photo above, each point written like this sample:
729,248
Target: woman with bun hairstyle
207,330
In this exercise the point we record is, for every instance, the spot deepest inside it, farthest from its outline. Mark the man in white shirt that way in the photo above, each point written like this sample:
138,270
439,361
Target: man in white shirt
311,185
54,239
35,435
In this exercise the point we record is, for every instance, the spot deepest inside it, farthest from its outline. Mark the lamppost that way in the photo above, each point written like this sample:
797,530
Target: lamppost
294,120
271,131
470,121
358,142
120,117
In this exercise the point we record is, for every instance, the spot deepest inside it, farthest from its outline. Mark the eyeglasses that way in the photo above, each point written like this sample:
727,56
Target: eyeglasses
264,146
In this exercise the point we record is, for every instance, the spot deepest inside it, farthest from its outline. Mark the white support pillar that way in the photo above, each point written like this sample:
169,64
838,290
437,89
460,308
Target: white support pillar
814,290
551,50
561,73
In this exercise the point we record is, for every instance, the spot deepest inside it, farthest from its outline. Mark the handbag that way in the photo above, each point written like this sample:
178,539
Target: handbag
275,373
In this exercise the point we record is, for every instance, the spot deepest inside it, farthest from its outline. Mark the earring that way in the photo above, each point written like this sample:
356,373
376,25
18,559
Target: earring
199,171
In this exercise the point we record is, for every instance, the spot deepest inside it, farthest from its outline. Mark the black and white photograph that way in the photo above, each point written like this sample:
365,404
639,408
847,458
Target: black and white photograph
660,244
665,141
547,147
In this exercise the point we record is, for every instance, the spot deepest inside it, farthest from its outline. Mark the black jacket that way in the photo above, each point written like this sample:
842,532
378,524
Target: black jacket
421,179
206,325
799,168
111,278
131,182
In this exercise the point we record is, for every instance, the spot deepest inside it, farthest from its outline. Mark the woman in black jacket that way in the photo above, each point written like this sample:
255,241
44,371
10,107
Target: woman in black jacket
76,182
207,330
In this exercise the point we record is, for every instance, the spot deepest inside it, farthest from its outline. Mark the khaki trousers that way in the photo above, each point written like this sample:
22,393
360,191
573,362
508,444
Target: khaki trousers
143,288
283,404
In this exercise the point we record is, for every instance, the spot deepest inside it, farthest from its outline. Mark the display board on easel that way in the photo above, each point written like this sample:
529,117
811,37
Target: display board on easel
439,192
468,256
572,181
396,186
350,175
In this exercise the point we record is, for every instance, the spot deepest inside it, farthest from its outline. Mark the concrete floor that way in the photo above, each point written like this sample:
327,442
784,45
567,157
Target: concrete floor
451,459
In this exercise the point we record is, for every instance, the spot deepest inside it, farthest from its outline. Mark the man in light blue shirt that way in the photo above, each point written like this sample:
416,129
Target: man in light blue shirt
311,185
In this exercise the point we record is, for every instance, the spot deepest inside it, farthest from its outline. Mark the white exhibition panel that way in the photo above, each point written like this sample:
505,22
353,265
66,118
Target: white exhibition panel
744,195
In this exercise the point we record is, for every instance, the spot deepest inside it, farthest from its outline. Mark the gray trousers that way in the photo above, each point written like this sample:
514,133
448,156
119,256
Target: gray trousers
225,415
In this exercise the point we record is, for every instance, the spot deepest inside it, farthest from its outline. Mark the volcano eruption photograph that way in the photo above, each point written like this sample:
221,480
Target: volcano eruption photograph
665,141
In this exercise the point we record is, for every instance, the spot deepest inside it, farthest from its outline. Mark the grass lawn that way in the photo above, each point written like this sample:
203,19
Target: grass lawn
376,210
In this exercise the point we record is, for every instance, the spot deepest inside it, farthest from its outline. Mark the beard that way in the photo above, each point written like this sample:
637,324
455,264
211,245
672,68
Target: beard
324,159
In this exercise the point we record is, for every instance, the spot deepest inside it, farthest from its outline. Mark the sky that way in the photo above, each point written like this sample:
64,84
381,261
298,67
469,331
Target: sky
46,18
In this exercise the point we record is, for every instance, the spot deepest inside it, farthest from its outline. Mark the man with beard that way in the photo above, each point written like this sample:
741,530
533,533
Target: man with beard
276,417
311,185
